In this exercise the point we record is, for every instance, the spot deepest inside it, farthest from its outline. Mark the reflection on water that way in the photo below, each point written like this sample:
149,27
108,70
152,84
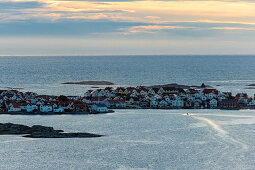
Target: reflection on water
150,139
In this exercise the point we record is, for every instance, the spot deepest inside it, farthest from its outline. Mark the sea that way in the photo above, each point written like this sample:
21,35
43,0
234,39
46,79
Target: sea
134,139
44,75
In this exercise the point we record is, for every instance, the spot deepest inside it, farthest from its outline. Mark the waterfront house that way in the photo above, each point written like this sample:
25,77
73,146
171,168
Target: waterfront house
163,104
144,103
14,107
46,108
213,103
31,107
81,107
58,109
120,104
242,97
99,108
177,103
154,104
229,104
66,105
197,104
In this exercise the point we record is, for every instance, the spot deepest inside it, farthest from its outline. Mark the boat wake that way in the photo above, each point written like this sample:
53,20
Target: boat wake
221,132
212,124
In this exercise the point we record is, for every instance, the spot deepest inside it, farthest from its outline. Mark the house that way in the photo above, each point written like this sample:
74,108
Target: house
31,108
66,105
229,104
144,103
213,103
81,107
179,103
120,104
197,104
154,104
14,107
242,97
163,104
88,93
99,108
58,109
46,108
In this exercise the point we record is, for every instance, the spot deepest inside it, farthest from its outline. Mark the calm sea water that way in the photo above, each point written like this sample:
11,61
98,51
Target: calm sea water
146,139
45,74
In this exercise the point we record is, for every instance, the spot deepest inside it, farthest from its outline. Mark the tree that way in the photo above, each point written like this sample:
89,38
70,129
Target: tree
62,98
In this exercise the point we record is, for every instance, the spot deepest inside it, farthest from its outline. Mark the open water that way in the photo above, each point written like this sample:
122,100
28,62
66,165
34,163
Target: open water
44,75
137,139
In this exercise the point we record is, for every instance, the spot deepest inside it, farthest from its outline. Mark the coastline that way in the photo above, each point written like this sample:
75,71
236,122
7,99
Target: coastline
55,113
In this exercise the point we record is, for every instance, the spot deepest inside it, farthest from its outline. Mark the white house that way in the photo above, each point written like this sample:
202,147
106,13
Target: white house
154,103
58,109
46,108
14,107
31,108
163,104
178,103
213,103
99,108
197,104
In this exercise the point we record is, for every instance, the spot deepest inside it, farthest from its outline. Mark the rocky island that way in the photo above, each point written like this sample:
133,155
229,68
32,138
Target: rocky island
38,131
91,83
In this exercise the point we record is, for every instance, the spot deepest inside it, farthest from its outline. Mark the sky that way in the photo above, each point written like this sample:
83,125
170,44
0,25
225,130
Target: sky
127,27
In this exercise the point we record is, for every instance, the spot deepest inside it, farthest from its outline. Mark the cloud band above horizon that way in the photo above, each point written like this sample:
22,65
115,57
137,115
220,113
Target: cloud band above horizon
199,20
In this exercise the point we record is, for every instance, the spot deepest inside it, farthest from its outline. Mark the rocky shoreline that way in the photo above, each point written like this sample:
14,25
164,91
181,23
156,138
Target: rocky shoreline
38,131
53,113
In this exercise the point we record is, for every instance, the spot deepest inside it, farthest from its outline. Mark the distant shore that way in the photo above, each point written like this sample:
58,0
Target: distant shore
54,113
95,83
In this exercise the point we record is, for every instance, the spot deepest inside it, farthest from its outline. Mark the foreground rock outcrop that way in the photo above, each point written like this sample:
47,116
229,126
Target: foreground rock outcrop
38,131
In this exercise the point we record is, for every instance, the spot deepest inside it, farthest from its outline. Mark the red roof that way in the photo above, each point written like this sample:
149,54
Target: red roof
80,105
242,96
16,105
207,91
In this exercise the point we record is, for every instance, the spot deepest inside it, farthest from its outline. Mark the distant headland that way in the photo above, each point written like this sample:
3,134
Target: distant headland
97,83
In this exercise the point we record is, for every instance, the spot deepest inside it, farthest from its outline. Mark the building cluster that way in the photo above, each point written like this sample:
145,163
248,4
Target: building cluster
16,101
168,98
101,100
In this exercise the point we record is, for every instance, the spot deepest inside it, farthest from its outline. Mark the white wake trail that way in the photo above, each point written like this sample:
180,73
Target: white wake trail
222,133
212,124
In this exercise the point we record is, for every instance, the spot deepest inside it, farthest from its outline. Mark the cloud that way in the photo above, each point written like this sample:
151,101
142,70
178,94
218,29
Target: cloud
233,28
20,5
196,20
145,11
150,29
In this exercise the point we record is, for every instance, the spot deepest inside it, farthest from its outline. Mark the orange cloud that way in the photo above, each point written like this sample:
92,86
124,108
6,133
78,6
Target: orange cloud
148,11
150,29
233,28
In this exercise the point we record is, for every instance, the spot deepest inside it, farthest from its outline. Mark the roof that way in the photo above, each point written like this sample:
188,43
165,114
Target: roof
207,91
16,105
229,101
100,105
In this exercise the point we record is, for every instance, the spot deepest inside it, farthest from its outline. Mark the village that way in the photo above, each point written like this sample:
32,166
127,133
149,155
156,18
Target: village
141,97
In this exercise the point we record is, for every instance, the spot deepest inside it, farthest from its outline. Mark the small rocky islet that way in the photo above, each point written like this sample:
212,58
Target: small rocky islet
38,131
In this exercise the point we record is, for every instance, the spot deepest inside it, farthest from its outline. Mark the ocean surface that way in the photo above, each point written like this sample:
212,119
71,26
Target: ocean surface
44,75
137,139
